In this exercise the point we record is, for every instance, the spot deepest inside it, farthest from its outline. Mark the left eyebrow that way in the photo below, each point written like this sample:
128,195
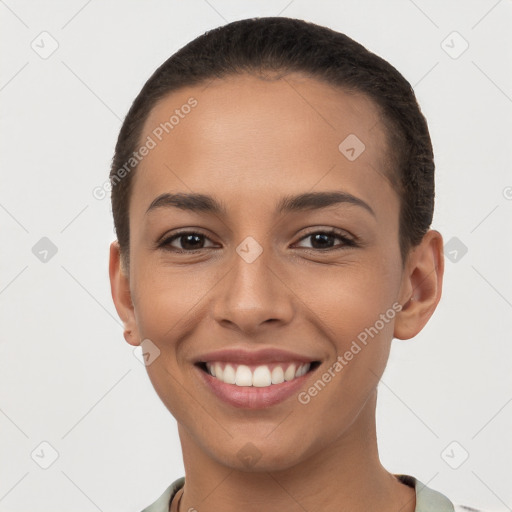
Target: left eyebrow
317,200
306,201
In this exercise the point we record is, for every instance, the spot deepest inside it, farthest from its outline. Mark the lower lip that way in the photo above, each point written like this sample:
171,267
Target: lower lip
250,397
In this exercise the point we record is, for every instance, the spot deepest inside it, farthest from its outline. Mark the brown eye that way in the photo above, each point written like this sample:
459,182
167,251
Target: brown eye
186,242
325,240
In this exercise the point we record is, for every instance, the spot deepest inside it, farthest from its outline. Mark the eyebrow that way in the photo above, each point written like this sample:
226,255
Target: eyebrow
195,202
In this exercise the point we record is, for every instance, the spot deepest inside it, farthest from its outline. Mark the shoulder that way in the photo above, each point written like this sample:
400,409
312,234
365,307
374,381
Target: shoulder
163,502
430,500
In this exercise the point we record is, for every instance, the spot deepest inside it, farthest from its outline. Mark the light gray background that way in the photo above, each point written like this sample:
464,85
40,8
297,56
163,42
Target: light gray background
68,378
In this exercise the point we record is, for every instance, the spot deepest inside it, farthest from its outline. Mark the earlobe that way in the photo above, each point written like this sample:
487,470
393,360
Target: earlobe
421,286
121,295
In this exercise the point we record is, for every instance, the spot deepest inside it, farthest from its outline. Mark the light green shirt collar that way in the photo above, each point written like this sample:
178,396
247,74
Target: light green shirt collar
427,500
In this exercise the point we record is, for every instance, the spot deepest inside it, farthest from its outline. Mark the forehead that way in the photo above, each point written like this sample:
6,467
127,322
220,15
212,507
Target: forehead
248,140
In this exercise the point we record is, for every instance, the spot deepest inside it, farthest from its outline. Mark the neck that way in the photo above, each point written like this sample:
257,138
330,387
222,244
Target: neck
345,475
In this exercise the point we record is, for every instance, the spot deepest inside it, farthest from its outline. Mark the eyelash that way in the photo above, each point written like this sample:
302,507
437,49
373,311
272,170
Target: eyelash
347,242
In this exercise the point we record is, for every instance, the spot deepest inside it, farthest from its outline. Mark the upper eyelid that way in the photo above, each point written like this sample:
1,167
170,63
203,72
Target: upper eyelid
166,240
347,239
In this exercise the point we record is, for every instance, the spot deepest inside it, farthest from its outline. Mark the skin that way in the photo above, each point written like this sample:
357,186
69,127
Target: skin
248,143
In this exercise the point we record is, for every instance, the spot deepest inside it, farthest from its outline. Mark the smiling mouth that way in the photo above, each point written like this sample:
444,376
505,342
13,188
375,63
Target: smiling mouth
260,376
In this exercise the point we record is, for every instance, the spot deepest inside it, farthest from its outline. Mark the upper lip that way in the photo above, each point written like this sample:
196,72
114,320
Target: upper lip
261,356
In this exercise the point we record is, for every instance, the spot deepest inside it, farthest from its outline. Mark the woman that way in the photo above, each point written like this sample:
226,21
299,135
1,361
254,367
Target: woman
272,192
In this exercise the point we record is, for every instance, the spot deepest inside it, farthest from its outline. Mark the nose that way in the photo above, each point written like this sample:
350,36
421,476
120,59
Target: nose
254,295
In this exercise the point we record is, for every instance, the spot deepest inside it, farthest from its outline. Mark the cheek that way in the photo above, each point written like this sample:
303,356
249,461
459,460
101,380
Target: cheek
168,299
346,299
353,308
167,304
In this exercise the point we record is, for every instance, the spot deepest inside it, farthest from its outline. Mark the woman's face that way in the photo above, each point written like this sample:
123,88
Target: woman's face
267,282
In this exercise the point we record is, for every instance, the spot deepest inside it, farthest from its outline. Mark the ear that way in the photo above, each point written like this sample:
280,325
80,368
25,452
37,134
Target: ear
421,287
120,287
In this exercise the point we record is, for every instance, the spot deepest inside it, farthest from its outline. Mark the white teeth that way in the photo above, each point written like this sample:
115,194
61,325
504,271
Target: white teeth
229,375
302,370
261,377
277,375
243,376
289,374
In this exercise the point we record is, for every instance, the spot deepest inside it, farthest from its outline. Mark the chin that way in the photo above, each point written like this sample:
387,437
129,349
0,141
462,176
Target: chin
254,457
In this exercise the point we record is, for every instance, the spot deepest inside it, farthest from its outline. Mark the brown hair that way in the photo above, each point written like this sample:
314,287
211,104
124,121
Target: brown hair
285,45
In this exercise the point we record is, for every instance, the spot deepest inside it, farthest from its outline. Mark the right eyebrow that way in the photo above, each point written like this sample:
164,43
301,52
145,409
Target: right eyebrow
191,202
